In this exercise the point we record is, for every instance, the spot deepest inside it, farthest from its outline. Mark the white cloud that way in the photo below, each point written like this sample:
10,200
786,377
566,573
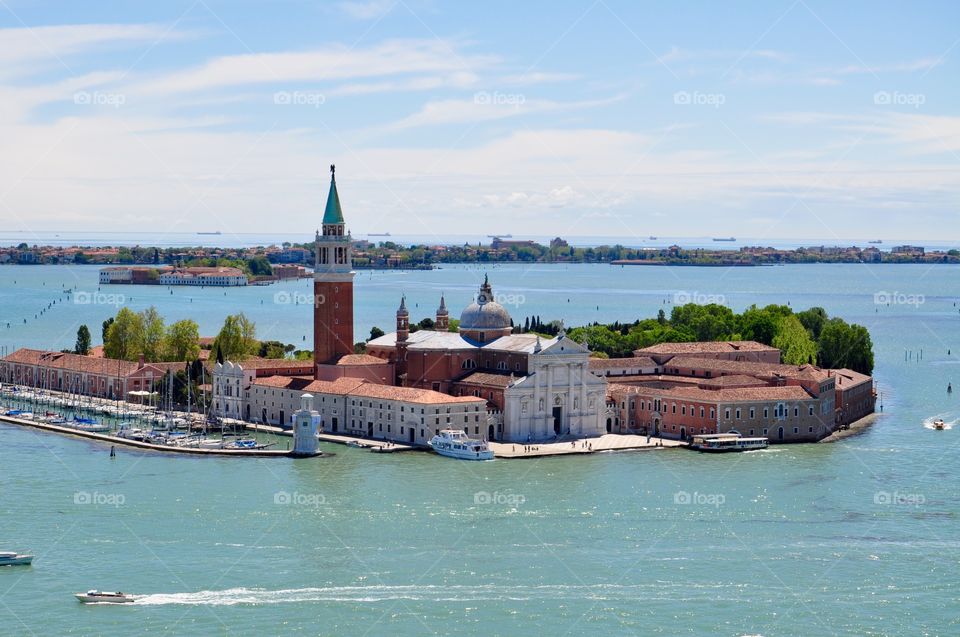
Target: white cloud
391,58
25,49
486,106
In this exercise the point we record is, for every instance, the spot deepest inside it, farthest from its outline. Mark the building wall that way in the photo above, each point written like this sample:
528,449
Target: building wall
332,319
556,382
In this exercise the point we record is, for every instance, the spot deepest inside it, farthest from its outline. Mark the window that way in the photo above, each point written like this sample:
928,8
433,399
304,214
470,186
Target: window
738,414
811,410
796,430
766,412
752,413
726,413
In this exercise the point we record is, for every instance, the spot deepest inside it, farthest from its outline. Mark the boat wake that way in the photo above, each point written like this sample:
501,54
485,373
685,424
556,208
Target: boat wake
947,424
381,593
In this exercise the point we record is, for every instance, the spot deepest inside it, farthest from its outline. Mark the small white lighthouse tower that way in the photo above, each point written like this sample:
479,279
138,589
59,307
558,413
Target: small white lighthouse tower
305,423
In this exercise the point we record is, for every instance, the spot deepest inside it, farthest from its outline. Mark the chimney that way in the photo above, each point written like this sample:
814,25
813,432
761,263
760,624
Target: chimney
140,362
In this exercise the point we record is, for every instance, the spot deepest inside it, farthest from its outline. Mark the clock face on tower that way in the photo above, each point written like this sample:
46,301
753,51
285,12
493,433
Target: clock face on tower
481,298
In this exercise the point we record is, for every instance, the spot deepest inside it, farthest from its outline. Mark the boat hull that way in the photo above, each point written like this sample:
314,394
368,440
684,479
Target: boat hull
20,560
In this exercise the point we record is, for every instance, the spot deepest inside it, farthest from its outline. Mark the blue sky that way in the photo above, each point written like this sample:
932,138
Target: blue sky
769,120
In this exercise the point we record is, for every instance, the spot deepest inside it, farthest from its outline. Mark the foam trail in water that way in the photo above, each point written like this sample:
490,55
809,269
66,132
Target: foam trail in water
378,593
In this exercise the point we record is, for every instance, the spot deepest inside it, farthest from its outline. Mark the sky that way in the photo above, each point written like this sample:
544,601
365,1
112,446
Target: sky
774,119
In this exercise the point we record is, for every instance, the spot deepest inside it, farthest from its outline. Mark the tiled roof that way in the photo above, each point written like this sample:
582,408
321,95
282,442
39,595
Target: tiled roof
630,362
733,380
488,380
808,372
410,394
273,363
847,378
740,394
705,346
360,359
73,362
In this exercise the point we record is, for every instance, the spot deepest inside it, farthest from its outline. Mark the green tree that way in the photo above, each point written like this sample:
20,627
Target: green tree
272,349
813,319
105,327
259,266
375,332
758,325
794,341
237,338
182,341
124,336
83,341
154,331
845,345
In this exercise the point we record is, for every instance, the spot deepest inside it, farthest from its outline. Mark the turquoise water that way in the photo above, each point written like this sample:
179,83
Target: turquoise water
857,537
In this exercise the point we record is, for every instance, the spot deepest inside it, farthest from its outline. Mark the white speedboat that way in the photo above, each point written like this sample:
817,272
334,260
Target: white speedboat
454,443
104,597
939,425
14,559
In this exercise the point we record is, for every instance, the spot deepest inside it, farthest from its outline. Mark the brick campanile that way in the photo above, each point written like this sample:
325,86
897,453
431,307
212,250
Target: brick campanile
332,284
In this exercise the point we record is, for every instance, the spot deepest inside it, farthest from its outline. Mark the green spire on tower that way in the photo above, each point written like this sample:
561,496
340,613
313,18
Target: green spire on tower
333,214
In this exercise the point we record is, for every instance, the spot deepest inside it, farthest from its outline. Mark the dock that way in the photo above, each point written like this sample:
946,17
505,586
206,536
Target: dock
605,443
148,446
376,446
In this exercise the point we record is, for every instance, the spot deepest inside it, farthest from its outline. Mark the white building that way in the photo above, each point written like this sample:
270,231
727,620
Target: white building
558,396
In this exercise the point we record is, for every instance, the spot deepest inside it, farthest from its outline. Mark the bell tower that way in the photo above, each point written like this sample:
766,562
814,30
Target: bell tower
332,284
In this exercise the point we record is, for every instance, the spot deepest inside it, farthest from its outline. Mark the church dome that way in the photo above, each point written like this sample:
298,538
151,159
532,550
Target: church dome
484,316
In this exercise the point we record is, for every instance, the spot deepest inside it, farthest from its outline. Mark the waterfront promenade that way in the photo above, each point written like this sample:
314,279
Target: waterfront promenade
605,443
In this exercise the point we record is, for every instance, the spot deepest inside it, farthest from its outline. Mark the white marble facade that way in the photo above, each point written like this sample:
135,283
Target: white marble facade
559,397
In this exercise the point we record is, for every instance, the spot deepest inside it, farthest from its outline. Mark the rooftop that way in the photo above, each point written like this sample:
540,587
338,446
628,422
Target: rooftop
705,346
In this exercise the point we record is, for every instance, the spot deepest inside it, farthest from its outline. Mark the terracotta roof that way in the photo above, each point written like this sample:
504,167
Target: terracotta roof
73,362
361,359
488,380
749,368
622,363
705,346
733,380
740,394
847,378
411,395
273,363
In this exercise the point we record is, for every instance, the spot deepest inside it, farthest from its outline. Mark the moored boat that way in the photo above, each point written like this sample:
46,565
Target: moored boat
8,558
718,443
454,443
104,597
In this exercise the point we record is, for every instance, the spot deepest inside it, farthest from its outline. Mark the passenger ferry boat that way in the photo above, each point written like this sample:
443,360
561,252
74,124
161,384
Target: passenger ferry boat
726,442
454,443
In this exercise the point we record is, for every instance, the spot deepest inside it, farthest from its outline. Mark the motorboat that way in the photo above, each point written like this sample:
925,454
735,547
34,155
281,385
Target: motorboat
454,443
8,558
939,425
104,597
727,442
88,425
